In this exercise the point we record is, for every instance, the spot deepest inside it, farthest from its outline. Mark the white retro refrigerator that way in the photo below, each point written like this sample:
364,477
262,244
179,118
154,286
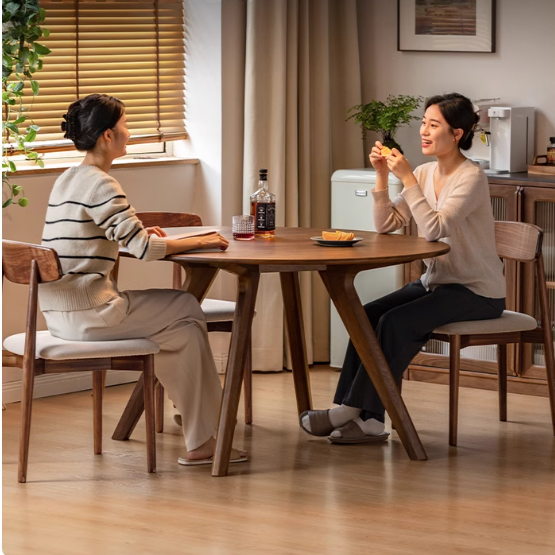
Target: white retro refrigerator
351,208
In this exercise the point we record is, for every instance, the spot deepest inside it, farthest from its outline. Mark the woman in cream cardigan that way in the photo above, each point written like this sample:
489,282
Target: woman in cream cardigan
88,219
449,201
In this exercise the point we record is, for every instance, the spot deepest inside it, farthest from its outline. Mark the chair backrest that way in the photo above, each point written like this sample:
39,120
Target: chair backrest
17,259
518,241
30,264
169,219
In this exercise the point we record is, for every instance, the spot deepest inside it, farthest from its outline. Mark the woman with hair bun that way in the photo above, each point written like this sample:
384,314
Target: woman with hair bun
449,200
88,219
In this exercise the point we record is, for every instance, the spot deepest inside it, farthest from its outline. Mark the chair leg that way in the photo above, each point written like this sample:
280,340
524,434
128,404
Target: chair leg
132,413
247,385
400,388
98,392
550,368
148,374
159,394
454,368
502,378
26,410
177,276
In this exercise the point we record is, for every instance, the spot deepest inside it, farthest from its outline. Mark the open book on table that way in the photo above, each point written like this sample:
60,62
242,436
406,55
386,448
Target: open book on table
199,233
186,235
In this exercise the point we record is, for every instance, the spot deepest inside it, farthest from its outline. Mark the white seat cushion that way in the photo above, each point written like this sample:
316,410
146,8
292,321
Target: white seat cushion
218,311
509,321
53,348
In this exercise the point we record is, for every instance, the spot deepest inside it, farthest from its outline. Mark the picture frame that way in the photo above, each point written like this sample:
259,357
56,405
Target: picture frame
446,25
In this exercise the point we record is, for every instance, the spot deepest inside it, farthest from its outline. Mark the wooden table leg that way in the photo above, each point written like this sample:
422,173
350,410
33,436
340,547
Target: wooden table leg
198,281
132,413
246,298
339,282
98,393
295,332
148,403
247,383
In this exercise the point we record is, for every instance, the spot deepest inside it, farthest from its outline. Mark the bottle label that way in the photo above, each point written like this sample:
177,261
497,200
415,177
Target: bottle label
265,216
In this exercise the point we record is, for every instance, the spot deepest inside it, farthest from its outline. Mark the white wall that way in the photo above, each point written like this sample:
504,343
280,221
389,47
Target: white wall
203,103
520,72
203,100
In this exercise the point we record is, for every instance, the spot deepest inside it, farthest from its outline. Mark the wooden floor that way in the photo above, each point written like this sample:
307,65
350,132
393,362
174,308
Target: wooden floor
494,494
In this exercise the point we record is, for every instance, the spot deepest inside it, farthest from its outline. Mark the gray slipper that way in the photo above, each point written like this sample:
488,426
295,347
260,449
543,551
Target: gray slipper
352,433
320,424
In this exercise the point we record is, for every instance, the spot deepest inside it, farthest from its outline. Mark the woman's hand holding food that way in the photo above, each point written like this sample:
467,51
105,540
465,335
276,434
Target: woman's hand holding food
377,160
400,167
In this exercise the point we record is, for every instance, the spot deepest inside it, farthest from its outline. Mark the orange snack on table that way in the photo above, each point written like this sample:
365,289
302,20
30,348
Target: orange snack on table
338,235
386,151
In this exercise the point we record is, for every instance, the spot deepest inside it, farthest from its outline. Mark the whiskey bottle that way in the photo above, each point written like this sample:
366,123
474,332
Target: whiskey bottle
263,208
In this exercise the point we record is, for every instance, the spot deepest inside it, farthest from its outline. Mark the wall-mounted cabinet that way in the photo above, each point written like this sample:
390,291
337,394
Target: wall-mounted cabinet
514,197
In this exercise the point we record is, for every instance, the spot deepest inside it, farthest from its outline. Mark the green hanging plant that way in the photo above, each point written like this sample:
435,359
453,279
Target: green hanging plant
386,117
21,59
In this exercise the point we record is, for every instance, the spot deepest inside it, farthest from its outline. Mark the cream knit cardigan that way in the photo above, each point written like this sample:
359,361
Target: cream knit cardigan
88,218
461,217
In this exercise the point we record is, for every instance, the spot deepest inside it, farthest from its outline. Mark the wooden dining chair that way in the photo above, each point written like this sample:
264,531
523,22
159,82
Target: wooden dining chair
38,353
219,314
521,242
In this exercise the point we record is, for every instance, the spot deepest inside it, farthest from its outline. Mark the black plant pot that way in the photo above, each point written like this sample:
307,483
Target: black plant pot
391,143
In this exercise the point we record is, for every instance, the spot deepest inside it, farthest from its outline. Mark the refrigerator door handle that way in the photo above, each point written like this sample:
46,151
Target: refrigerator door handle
361,193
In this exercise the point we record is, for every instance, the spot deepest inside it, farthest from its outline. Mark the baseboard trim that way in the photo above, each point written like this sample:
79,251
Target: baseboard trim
58,384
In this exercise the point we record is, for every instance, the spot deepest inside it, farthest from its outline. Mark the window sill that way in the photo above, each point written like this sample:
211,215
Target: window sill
57,167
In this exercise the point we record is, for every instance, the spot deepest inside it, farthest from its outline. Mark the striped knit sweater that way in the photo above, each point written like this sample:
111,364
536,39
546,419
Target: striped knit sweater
88,217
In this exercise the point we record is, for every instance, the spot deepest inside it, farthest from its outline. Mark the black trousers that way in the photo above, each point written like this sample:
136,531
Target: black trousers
403,322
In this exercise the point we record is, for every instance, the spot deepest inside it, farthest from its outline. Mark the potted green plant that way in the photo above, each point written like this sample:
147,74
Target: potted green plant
386,117
21,58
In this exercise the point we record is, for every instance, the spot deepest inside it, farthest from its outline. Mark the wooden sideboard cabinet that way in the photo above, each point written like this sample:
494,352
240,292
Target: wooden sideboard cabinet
514,197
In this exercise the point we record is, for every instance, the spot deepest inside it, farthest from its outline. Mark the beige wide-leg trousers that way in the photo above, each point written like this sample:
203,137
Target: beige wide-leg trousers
184,366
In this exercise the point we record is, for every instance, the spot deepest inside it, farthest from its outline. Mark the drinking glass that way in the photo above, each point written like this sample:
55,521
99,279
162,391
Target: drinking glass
243,228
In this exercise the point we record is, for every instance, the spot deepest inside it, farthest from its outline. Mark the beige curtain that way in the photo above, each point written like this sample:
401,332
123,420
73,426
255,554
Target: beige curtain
301,69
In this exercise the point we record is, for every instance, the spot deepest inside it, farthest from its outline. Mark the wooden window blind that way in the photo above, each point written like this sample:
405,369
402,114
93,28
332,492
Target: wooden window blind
131,49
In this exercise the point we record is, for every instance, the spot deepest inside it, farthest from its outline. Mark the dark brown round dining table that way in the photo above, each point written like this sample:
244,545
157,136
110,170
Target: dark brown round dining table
291,251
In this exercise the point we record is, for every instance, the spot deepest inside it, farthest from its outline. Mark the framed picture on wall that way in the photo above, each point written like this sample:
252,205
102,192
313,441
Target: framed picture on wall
446,25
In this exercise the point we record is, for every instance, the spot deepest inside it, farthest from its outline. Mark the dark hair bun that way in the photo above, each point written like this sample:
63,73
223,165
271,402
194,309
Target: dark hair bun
88,117
466,140
69,125
459,113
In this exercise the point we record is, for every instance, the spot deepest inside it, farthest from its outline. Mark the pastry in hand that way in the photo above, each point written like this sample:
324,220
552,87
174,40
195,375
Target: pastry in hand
386,151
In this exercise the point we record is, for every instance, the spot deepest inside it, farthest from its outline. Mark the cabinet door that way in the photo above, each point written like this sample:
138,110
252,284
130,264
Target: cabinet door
505,200
539,209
